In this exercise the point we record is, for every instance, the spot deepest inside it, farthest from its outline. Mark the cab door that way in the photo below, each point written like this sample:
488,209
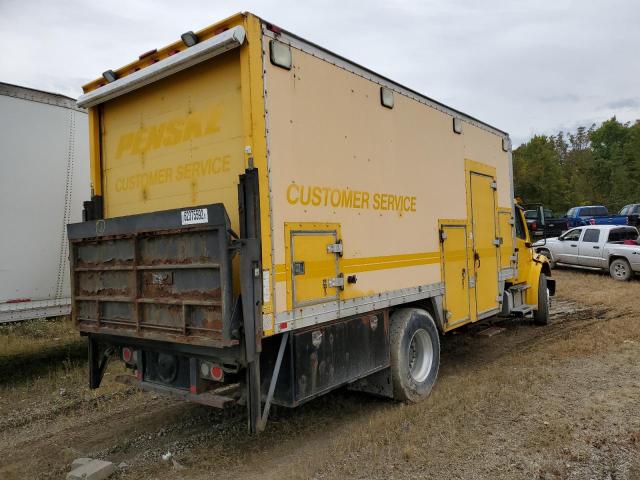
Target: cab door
485,243
590,249
313,264
568,247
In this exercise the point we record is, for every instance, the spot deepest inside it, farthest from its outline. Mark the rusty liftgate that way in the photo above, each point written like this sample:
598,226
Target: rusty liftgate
161,276
160,284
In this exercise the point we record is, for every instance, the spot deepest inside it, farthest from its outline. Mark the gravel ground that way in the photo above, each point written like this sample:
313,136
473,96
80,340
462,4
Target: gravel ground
560,401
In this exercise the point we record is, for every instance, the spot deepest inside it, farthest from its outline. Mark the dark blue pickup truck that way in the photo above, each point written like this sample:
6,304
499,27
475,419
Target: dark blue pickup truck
593,215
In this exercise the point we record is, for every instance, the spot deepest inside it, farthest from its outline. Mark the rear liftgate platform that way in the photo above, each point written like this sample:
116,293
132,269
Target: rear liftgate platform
160,284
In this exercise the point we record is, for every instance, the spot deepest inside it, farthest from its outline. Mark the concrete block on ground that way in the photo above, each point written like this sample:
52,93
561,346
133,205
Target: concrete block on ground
491,331
79,462
93,470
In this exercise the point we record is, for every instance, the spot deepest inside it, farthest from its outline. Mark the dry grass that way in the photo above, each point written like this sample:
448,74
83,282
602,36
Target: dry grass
553,402
29,337
598,289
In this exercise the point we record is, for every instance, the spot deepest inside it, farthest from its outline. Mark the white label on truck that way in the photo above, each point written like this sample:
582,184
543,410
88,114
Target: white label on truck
197,215
266,286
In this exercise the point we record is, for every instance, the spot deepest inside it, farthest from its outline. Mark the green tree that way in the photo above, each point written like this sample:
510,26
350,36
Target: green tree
595,165
538,173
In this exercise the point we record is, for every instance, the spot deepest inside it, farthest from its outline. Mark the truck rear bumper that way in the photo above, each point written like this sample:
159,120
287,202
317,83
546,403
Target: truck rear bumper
218,398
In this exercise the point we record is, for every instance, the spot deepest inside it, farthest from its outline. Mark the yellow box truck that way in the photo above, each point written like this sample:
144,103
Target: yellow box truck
270,221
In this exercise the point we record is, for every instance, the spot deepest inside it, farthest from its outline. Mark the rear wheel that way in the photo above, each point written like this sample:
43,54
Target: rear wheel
415,354
620,269
541,315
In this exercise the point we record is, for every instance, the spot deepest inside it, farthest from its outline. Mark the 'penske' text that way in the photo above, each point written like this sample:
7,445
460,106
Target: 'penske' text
316,196
170,132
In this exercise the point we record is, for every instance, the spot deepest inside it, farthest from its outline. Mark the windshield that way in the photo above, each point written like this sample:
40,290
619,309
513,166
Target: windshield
571,212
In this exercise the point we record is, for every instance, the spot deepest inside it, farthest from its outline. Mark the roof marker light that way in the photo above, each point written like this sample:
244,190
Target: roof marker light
386,97
148,54
189,38
457,125
280,54
110,76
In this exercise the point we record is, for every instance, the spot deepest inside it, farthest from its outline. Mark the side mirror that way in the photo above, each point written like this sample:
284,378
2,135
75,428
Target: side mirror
541,218
561,239
527,244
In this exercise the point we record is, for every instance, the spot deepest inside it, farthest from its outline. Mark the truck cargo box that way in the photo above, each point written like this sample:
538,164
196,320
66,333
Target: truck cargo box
367,219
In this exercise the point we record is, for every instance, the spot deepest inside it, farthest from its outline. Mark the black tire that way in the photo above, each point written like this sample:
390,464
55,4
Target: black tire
547,253
413,379
541,314
620,270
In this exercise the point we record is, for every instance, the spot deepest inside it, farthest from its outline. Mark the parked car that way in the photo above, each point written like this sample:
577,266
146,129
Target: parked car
632,212
604,247
541,221
593,215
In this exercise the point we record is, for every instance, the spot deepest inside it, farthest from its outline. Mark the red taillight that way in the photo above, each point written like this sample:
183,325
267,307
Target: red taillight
216,373
534,226
127,354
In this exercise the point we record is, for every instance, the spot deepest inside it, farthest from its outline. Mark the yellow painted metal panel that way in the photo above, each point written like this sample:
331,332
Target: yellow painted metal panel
253,106
94,151
177,142
307,245
506,234
455,268
485,252
310,250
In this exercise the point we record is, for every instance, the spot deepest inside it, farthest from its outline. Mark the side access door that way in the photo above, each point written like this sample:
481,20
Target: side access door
313,263
455,272
485,243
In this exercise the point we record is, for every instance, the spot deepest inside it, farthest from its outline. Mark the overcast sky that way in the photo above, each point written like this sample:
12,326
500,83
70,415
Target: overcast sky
526,67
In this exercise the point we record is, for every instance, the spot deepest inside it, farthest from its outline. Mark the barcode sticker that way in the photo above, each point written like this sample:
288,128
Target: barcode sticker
195,216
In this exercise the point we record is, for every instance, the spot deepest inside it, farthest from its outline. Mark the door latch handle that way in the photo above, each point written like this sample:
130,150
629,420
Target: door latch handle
596,247
464,276
476,260
298,268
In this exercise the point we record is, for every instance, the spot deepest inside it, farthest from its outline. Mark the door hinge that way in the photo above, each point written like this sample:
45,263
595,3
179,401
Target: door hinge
497,241
337,282
335,248
443,235
494,185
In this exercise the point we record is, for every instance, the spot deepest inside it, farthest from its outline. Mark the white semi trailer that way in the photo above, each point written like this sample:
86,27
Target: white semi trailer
44,177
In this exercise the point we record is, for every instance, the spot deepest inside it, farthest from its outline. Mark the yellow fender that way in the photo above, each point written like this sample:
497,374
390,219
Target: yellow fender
538,265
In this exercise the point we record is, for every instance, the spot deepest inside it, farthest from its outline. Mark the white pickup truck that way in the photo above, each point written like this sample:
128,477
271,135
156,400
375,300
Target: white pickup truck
603,247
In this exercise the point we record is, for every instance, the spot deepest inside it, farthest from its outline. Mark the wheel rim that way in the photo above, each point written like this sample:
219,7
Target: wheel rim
620,270
548,300
420,355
